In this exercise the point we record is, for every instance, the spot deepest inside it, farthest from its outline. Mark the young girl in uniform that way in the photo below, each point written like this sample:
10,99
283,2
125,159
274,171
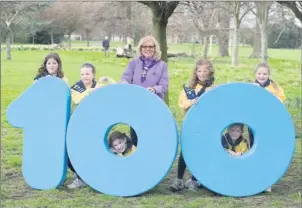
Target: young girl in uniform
262,74
79,91
202,80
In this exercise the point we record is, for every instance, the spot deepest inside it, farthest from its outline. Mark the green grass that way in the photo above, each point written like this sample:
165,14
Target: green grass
17,75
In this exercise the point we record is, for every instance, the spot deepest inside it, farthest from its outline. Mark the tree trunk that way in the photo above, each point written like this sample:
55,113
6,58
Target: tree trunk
256,44
33,39
223,36
160,28
263,54
205,47
262,19
51,38
12,41
235,45
69,40
87,37
8,47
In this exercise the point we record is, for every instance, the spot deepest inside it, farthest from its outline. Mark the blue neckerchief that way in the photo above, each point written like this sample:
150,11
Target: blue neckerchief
146,68
267,83
80,87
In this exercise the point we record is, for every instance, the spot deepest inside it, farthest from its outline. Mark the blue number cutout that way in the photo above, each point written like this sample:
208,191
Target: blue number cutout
43,111
87,140
254,171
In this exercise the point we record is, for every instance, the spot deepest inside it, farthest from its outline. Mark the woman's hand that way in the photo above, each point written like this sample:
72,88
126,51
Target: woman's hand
151,89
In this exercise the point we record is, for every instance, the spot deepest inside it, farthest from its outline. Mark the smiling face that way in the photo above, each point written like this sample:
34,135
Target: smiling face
119,145
262,75
87,76
235,132
148,49
52,66
203,73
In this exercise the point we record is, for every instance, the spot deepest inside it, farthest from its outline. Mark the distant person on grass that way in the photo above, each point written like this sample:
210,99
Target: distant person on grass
51,66
106,46
202,80
79,91
148,71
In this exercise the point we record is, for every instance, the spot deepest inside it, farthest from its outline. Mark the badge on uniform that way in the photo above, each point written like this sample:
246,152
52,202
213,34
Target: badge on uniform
189,92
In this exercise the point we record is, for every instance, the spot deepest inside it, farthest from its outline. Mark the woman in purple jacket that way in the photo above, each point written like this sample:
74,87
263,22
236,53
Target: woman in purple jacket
148,71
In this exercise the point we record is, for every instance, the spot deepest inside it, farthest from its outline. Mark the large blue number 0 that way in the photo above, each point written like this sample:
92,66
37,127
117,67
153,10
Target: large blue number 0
254,171
87,140
43,111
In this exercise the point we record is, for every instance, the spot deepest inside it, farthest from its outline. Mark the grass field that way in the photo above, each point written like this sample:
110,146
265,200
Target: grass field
17,75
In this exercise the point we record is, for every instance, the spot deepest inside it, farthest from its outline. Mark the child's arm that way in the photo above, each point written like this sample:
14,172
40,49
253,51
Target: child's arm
281,95
184,102
106,80
77,96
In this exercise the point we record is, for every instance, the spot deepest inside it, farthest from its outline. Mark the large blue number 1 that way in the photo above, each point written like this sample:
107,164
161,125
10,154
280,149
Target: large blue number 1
43,110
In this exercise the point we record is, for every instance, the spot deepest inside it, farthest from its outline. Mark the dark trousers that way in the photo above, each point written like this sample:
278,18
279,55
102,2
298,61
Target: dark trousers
133,136
182,167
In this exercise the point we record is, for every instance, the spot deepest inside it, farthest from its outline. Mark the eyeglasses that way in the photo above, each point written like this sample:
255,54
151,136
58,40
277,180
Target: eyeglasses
148,47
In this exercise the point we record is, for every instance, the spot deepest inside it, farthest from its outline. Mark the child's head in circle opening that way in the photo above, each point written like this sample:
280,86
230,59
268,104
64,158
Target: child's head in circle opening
235,130
203,73
87,74
52,65
118,142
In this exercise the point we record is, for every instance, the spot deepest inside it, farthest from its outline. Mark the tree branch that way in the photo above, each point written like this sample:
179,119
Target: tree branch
171,6
294,6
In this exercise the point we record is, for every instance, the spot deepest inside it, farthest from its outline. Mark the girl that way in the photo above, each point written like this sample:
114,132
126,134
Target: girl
262,73
78,92
121,144
52,66
202,80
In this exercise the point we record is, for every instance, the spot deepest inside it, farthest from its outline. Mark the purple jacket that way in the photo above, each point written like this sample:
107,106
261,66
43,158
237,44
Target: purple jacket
157,76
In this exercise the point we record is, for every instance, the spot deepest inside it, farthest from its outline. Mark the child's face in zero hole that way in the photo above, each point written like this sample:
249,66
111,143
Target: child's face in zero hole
235,132
119,145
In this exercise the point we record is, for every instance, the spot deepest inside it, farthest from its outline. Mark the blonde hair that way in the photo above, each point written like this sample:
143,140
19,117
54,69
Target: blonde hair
157,53
263,65
194,79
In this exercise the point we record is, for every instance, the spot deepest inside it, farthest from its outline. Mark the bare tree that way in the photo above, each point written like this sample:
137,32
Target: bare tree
68,14
240,9
262,10
204,18
14,14
256,42
224,18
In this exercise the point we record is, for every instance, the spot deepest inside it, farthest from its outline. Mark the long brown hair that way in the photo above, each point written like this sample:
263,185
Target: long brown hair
194,79
263,65
42,71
